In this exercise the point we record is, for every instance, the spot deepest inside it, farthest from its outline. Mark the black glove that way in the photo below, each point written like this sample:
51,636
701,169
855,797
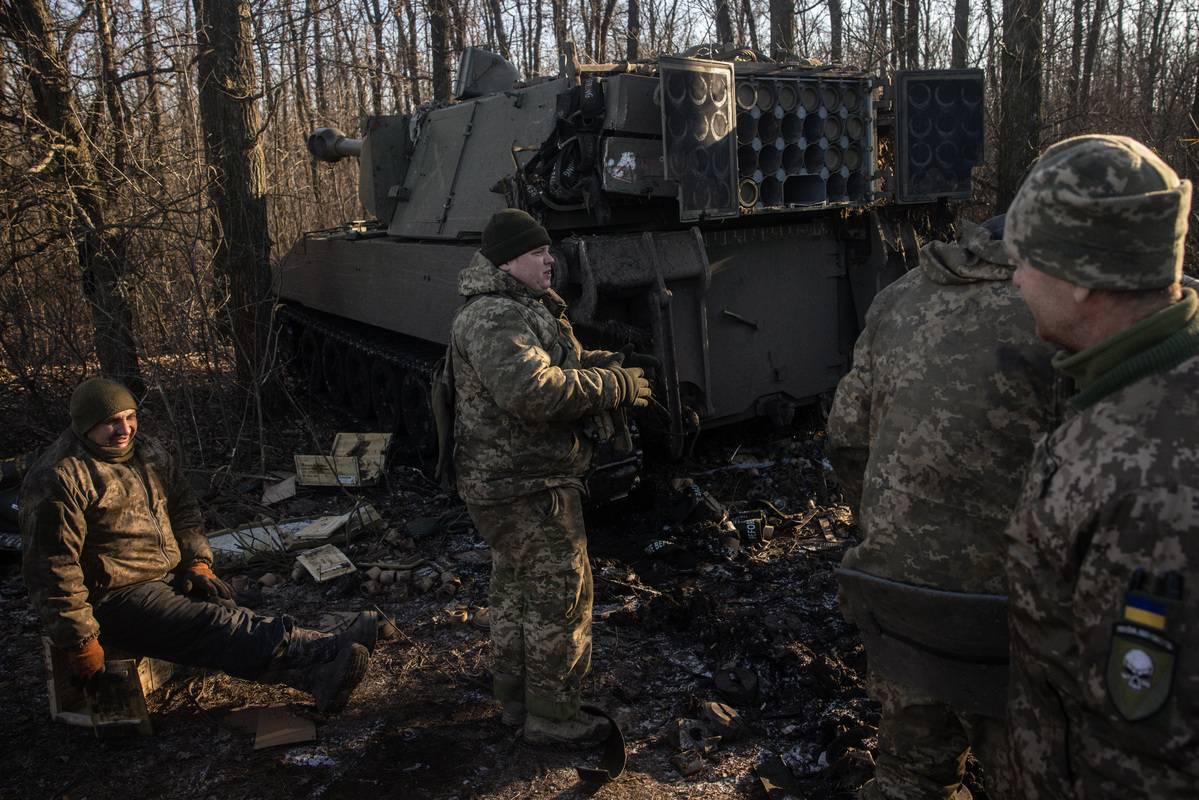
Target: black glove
634,387
200,582
641,360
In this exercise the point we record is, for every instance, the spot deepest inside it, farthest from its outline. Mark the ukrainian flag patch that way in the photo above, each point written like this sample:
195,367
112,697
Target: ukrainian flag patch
1144,611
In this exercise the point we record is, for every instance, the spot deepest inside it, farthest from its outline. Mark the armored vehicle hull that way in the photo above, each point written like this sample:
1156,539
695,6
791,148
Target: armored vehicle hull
733,218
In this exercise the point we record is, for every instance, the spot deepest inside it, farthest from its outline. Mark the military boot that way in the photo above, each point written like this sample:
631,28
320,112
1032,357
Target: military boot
363,629
513,714
321,664
581,730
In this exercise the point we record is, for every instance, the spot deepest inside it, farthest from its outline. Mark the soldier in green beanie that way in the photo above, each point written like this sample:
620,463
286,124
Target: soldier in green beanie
1103,560
525,388
115,556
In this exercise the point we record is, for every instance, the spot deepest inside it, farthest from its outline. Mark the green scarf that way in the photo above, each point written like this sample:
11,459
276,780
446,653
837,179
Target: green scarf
113,455
1159,342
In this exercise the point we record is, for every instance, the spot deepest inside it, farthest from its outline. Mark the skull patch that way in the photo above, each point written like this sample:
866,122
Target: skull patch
1137,670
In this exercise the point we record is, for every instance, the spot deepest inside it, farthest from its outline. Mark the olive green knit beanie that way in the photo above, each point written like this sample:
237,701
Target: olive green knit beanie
1102,212
95,400
510,234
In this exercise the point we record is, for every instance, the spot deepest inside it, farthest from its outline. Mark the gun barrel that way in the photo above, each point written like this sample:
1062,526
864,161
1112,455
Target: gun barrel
331,145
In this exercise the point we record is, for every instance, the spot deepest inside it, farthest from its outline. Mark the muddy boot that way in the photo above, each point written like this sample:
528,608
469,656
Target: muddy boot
321,664
513,714
581,730
363,629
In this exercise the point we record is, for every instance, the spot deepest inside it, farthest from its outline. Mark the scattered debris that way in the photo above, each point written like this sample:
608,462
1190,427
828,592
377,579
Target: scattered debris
276,726
325,563
357,459
283,490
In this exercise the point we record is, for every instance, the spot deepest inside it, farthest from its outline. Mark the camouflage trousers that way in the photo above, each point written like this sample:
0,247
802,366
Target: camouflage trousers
923,746
540,598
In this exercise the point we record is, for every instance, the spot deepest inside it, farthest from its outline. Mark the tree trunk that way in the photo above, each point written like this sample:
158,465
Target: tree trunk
724,22
605,27
439,48
835,34
154,141
899,34
114,101
633,31
501,37
237,188
751,23
961,34
782,27
912,35
1074,80
1020,101
1088,60
375,15
100,248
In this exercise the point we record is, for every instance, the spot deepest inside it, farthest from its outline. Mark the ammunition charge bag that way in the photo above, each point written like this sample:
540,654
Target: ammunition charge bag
950,645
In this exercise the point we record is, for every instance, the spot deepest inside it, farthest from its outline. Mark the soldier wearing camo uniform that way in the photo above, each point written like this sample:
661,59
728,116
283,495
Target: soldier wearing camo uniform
1104,545
929,435
524,390
115,556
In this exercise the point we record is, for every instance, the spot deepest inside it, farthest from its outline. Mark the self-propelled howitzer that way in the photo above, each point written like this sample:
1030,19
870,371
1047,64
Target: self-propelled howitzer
732,215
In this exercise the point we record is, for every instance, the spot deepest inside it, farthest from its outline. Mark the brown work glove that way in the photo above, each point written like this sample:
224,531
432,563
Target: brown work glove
85,661
200,582
634,388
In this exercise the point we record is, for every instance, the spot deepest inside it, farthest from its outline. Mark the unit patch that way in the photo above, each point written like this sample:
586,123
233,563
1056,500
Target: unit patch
1140,661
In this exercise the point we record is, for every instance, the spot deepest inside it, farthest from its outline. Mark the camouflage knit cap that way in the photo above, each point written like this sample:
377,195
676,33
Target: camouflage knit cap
510,234
95,400
1102,212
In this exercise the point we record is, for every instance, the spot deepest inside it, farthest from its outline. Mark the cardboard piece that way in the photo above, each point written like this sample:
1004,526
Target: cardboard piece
278,726
357,459
282,490
359,518
69,704
325,563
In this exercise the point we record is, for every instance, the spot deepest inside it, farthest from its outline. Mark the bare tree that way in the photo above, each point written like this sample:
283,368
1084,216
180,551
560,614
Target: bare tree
961,33
633,31
439,48
237,187
1020,102
84,196
724,22
782,27
835,34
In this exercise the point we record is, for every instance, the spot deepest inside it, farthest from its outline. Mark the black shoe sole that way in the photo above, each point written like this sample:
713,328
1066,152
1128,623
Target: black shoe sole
358,659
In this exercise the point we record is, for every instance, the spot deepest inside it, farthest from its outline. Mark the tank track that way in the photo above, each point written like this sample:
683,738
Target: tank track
384,345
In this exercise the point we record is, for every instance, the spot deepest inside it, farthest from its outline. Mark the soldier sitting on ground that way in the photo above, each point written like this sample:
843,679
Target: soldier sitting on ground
115,556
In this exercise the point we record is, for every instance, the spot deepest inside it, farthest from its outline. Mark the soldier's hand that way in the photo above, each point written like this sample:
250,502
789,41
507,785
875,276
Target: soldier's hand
642,360
635,388
85,661
200,582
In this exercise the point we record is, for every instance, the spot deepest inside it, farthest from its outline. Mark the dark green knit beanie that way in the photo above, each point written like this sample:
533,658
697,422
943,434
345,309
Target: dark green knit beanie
95,400
510,234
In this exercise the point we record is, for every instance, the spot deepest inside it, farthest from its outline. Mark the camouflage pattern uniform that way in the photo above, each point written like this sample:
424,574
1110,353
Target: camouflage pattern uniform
92,527
100,543
929,435
524,387
1104,556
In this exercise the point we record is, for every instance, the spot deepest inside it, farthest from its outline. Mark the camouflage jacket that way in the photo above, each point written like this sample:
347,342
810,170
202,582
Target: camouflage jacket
90,526
932,428
523,386
1104,698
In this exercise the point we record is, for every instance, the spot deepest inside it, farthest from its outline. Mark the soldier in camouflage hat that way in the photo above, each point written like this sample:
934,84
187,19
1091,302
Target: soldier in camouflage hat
929,435
524,389
1104,559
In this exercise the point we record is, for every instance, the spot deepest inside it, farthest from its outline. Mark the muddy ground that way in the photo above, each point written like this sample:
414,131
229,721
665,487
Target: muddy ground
686,613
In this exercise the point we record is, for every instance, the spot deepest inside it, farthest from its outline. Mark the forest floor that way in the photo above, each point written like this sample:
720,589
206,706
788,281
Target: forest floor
685,613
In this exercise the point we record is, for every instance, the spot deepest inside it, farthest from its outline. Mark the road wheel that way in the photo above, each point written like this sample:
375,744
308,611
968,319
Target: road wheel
416,409
333,366
358,383
385,396
310,361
